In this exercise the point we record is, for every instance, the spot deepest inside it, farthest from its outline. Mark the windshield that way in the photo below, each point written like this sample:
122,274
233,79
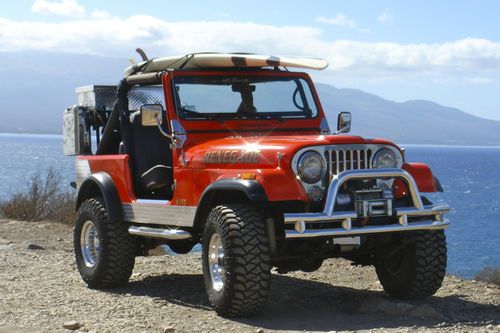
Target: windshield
242,97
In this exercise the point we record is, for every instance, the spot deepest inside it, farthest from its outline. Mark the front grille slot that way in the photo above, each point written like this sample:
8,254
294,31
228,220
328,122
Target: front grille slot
342,159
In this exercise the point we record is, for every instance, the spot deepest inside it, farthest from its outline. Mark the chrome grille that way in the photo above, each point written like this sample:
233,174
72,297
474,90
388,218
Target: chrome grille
347,158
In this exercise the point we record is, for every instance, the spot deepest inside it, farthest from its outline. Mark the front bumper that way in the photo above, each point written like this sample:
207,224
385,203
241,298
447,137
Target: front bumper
416,217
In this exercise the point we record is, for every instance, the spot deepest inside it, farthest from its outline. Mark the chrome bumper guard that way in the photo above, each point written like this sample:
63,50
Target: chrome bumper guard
430,216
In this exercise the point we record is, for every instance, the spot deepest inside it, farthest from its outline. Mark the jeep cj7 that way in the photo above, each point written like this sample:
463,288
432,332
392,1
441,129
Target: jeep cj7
234,152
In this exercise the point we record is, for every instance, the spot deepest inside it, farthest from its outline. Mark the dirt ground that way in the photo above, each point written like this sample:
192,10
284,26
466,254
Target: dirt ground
41,290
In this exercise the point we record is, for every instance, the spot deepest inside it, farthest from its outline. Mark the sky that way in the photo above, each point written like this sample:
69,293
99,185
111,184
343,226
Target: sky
444,51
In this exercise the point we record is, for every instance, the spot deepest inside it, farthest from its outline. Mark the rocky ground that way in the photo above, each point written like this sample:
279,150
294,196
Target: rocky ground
41,291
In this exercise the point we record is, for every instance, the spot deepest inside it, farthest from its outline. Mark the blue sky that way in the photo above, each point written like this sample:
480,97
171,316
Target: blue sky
445,51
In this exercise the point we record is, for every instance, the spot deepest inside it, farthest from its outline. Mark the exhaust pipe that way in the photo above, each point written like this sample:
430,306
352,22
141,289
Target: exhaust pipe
171,234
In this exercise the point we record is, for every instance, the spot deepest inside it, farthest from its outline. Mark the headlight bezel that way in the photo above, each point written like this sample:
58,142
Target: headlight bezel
301,164
376,163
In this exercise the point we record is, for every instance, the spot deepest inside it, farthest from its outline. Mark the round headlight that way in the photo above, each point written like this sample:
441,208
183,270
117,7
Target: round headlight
384,158
315,193
311,167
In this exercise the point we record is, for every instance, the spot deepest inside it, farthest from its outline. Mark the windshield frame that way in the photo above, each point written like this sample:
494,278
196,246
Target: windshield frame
303,78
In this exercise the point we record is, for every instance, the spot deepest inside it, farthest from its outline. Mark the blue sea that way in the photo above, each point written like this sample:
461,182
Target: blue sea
470,177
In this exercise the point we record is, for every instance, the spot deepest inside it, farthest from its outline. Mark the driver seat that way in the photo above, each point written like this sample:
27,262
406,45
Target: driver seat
151,160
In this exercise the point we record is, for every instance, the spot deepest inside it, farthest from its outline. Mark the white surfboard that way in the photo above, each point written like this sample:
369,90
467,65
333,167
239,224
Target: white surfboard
222,60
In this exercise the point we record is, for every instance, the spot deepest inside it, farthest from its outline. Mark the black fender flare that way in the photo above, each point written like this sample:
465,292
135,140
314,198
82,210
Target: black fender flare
101,184
251,189
439,187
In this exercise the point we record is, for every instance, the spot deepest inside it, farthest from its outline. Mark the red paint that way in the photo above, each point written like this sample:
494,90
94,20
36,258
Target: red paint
422,175
117,167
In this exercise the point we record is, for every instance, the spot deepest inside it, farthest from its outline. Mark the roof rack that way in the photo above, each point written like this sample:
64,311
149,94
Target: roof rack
220,60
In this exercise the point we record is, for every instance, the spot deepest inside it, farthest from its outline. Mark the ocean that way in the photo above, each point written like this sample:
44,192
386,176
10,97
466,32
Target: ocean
470,177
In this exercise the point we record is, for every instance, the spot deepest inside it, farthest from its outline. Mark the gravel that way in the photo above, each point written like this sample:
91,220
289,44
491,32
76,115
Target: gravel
41,291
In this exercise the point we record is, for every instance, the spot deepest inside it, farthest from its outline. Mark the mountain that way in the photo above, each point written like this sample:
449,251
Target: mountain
37,87
416,121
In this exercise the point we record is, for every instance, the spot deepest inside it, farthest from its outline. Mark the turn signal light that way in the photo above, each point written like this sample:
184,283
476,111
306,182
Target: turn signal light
248,176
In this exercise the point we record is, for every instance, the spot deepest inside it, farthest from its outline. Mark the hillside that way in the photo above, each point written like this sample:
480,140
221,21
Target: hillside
415,121
41,85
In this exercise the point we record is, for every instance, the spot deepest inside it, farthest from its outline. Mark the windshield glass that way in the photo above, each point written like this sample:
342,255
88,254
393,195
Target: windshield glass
226,97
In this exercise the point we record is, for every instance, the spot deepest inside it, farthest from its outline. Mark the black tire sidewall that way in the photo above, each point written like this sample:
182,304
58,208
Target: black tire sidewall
91,275
217,297
396,282
422,268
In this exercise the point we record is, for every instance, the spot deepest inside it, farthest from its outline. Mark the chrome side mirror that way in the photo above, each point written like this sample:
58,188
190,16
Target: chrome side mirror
151,114
343,122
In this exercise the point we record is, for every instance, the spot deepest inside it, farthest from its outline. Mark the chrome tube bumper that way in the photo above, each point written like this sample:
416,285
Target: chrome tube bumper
430,216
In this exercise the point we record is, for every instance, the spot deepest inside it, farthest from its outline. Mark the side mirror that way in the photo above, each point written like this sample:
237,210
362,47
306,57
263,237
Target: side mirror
343,122
151,114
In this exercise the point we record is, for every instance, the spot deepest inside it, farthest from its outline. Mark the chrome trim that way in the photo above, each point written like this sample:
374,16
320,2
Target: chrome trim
157,212
89,244
335,158
433,212
216,262
426,225
377,153
178,133
151,201
171,234
301,162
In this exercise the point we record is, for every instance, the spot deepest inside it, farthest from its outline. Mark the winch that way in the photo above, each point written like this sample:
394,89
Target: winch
373,202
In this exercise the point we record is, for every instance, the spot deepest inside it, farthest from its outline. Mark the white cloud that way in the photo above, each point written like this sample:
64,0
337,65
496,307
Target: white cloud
101,15
118,37
384,17
63,7
339,19
342,21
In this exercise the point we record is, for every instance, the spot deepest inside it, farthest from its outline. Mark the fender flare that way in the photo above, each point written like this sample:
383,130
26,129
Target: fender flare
101,184
251,189
423,176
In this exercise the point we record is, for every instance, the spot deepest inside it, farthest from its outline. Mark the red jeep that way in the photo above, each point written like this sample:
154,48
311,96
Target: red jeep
233,151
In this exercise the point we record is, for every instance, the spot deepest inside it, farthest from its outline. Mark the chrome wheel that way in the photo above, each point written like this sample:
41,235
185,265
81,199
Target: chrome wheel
216,262
89,244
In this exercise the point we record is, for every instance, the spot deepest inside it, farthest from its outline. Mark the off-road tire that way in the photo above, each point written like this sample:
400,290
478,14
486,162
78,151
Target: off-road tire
116,259
420,269
247,266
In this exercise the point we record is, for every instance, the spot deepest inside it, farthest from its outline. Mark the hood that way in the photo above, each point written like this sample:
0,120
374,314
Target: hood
262,152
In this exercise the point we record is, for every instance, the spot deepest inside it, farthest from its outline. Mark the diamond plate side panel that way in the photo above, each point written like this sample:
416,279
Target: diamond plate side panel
180,216
104,97
82,171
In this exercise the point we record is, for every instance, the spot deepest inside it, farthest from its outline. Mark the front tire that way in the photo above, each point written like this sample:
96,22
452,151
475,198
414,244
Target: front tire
236,265
413,265
104,250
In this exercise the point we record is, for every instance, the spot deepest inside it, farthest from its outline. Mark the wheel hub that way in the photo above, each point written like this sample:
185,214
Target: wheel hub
89,244
216,262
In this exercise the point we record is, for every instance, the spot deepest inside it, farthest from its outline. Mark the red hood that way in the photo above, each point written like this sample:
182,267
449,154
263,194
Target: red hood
267,147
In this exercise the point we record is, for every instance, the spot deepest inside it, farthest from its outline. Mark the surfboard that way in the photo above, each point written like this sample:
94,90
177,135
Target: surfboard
225,60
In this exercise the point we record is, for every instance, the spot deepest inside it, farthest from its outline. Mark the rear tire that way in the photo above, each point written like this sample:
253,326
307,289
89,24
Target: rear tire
413,266
236,265
104,250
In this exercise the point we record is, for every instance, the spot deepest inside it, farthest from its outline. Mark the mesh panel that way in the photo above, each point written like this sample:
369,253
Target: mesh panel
104,97
139,96
99,97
